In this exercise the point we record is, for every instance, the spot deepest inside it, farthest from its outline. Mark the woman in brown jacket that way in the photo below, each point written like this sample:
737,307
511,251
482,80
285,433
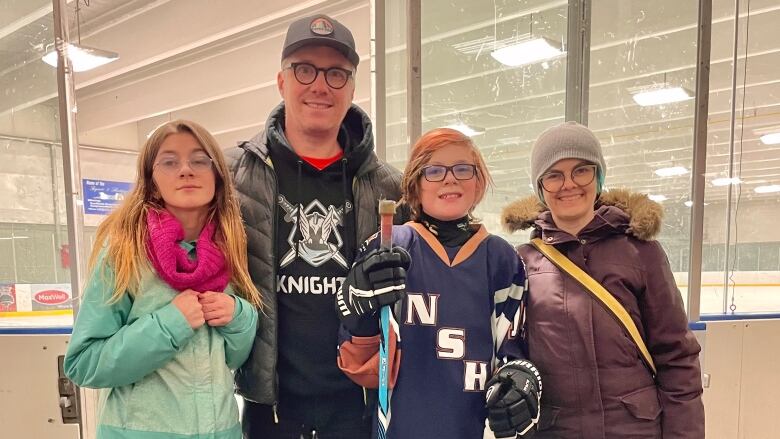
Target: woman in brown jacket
595,382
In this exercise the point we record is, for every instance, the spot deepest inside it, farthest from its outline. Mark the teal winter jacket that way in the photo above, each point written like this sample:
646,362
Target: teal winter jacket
159,377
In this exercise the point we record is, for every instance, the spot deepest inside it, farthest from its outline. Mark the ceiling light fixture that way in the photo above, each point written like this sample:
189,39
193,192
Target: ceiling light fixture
664,94
660,94
673,171
767,189
657,198
83,58
528,52
725,181
468,130
771,139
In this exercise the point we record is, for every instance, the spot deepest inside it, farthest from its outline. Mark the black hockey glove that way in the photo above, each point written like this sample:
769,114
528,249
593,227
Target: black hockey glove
375,280
513,396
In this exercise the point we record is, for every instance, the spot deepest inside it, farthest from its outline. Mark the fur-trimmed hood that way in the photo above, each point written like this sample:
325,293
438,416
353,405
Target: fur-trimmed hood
645,215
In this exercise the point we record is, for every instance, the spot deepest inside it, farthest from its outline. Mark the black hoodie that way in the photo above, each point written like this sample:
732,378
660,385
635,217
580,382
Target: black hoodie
315,245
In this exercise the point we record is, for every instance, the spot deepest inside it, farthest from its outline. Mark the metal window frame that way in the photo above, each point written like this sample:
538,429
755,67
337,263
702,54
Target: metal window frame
414,72
378,77
72,178
70,150
699,162
578,61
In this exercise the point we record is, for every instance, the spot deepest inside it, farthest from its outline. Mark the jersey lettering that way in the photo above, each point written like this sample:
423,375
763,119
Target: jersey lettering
308,284
451,343
475,376
426,312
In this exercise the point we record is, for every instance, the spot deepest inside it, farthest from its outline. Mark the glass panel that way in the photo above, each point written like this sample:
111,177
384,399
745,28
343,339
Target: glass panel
34,275
464,84
639,48
752,265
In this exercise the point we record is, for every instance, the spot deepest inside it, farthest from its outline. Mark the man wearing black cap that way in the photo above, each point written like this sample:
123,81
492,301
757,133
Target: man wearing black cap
308,186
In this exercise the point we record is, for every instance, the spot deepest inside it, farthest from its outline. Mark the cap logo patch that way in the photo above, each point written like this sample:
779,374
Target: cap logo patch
321,26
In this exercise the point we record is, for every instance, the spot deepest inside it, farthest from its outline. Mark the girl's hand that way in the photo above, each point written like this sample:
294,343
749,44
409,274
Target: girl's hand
218,308
191,309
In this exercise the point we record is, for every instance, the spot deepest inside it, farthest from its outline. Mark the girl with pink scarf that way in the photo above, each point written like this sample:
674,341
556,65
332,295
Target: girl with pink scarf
169,309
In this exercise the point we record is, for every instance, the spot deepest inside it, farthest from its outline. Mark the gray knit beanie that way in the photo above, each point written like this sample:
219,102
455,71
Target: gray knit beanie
568,140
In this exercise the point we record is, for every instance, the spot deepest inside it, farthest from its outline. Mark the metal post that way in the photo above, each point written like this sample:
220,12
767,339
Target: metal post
378,77
731,156
699,163
70,162
56,206
70,150
578,61
414,77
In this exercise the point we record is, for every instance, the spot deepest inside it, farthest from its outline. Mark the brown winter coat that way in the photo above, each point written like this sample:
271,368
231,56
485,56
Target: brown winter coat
594,382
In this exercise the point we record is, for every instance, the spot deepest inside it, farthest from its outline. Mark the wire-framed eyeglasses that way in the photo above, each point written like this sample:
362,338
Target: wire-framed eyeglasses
461,171
307,73
581,175
198,163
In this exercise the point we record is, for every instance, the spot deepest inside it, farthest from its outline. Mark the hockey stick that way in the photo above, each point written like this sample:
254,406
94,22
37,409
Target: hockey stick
386,212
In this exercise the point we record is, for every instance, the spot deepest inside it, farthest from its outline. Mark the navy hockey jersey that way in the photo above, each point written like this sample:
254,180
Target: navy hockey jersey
453,326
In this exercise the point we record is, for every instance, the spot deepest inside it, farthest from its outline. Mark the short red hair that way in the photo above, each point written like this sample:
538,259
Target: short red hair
420,156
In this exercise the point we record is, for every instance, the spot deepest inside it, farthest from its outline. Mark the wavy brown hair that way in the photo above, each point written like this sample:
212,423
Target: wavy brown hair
123,233
420,156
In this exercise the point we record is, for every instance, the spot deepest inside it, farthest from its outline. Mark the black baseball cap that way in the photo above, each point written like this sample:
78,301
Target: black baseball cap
320,30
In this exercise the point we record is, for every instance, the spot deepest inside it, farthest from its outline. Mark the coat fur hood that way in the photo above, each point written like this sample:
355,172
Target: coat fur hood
645,215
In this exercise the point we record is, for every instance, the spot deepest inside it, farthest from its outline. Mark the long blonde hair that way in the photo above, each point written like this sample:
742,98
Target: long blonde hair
123,233
421,154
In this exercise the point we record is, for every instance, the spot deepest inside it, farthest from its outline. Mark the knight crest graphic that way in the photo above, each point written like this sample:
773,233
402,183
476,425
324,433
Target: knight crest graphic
317,237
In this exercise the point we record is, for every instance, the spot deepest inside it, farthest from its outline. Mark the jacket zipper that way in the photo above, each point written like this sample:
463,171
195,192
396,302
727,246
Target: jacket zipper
274,226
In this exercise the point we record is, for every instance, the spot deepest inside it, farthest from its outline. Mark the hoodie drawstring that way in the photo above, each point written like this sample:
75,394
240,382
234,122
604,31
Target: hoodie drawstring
344,187
347,195
299,202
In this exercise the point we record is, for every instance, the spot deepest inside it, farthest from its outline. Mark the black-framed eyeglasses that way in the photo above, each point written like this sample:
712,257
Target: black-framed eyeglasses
581,175
306,73
461,171
199,163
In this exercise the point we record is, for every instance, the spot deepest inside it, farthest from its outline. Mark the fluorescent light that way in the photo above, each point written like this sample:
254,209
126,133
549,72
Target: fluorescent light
657,198
660,96
83,58
725,181
528,52
671,172
467,130
767,189
771,139
15,237
688,203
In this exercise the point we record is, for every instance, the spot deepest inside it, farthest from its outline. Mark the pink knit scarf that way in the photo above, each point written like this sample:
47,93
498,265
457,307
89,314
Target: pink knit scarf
207,272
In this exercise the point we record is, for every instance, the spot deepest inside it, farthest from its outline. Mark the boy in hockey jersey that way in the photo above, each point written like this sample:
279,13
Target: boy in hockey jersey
456,290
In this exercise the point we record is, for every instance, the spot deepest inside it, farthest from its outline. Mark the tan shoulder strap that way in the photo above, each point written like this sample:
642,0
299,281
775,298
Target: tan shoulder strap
599,293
